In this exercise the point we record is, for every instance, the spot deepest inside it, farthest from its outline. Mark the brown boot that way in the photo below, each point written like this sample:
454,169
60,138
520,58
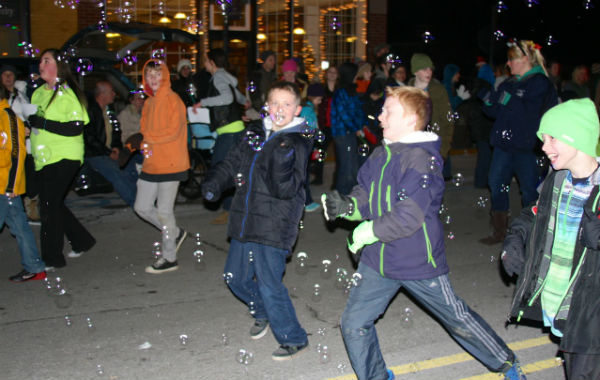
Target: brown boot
499,221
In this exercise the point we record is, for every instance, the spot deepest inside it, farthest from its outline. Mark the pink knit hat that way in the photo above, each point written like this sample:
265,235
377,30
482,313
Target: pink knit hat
289,65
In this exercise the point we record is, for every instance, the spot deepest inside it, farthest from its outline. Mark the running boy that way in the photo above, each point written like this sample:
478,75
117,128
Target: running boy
398,197
554,245
12,184
269,169
166,162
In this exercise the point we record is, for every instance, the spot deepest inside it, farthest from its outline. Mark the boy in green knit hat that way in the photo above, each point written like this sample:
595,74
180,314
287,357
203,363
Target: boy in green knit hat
554,246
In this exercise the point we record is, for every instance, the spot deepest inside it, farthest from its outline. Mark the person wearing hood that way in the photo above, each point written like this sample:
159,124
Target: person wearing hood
163,126
450,79
270,172
402,241
223,101
517,107
189,86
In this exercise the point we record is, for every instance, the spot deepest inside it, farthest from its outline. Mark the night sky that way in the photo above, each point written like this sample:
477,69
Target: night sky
463,30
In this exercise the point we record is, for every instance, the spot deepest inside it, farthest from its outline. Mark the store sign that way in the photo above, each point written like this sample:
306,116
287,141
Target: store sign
10,11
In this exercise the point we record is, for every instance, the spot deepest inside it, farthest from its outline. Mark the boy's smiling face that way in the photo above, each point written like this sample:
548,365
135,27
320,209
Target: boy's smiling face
560,155
283,106
154,79
395,120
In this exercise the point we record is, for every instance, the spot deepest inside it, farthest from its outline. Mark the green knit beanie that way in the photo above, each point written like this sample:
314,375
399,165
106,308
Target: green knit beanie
420,61
575,123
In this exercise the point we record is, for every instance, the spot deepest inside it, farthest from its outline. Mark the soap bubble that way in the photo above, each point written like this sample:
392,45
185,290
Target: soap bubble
550,40
227,277
301,263
28,49
84,66
506,134
156,250
316,296
320,137
498,34
199,262
251,87
320,155
504,188
183,339
356,279
42,153
434,164
324,356
335,24
435,128
500,6
99,370
68,321
244,357
3,140
531,3
325,269
482,202
458,180
129,58
146,150
451,235
402,195
363,149
424,181
159,54
224,339
407,318
307,131
239,180
427,36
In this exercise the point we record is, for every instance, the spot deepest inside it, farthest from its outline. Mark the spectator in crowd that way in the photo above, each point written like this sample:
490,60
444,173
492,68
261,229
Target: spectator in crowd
347,122
261,80
517,107
324,117
223,100
398,76
58,150
577,87
363,77
189,86
554,72
129,117
103,143
289,69
16,91
422,67
12,184
502,73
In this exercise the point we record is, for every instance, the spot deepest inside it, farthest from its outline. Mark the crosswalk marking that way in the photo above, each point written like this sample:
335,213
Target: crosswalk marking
463,357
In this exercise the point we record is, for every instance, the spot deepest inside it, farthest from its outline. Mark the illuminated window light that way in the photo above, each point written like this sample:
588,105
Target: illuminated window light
112,35
261,36
179,16
164,20
299,31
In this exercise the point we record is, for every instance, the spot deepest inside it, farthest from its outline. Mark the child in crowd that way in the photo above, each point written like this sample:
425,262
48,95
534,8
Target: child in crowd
269,169
402,241
554,246
12,183
314,94
166,162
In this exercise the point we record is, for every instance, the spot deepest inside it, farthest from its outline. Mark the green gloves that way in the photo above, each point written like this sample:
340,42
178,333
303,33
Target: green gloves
336,205
361,236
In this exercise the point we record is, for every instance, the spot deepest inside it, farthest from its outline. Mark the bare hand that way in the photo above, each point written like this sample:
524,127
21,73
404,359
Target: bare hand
195,106
114,154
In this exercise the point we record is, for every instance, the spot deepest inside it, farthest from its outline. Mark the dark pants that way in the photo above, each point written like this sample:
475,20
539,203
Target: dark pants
223,144
482,167
57,219
32,179
581,366
318,165
346,161
502,168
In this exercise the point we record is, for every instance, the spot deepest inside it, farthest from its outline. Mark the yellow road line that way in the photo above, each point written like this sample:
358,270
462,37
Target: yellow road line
452,359
529,368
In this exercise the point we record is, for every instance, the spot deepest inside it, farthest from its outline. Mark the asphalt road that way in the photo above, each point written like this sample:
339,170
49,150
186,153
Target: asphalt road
120,323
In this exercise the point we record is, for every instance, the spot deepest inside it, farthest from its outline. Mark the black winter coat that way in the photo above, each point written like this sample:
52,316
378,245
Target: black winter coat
270,177
528,233
94,133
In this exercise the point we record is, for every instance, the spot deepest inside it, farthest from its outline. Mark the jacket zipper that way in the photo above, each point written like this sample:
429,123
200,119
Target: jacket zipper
387,161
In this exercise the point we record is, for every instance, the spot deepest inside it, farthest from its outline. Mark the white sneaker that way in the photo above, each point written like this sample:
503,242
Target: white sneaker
74,254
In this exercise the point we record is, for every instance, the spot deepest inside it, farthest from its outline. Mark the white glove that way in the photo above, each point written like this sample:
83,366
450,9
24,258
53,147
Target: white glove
29,109
463,93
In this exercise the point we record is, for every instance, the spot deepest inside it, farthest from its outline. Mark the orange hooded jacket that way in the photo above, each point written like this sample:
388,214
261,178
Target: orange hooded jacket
164,127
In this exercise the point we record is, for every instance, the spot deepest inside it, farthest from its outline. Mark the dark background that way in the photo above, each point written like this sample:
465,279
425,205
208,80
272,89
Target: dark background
463,30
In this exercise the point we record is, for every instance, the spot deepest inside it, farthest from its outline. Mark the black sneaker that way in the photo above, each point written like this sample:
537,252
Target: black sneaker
259,329
285,352
180,238
24,275
162,265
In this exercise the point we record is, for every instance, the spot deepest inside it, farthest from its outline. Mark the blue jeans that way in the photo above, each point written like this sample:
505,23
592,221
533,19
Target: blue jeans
123,180
257,273
502,168
369,300
223,144
13,213
346,160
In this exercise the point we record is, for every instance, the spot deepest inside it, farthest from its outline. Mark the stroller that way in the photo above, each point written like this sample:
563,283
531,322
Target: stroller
200,147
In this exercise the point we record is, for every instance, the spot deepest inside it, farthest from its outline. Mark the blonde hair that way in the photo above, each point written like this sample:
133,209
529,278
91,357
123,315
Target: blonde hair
529,49
414,101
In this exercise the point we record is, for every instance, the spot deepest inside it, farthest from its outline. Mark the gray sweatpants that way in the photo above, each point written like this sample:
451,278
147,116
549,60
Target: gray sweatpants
160,215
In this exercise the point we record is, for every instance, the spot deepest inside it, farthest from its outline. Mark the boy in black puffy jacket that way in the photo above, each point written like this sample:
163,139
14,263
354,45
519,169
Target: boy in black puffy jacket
269,170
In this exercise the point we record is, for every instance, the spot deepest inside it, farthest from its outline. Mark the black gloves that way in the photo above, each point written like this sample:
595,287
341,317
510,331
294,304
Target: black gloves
590,229
512,263
210,193
335,204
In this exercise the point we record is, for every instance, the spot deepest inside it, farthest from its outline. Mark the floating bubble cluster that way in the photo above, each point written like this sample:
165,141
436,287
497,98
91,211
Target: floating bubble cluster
251,87
550,40
28,49
244,357
159,54
254,140
458,180
498,34
125,12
